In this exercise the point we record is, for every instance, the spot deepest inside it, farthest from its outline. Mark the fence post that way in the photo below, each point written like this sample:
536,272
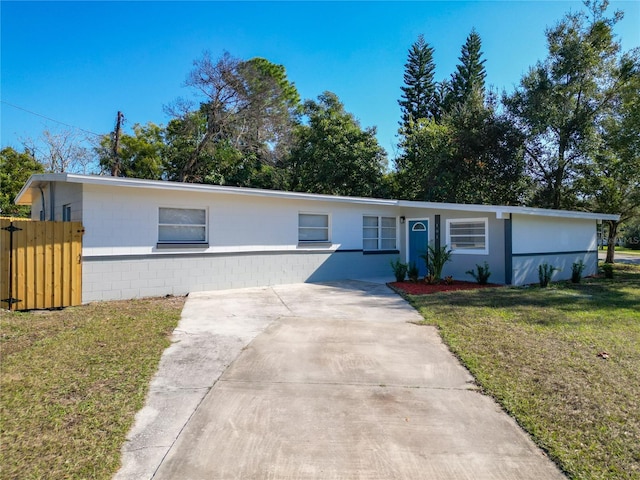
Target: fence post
10,299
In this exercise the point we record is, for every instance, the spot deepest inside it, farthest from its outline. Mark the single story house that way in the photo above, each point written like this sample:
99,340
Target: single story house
150,238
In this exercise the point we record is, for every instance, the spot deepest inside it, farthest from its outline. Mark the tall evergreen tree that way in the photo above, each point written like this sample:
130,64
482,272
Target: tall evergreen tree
467,83
418,92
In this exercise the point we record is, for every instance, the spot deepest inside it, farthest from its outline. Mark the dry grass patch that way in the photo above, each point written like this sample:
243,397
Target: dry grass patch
540,352
71,382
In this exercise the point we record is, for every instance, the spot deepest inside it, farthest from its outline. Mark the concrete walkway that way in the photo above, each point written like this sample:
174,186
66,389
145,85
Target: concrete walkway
315,381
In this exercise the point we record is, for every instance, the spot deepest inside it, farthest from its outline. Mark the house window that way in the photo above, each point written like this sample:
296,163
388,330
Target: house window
468,235
66,213
182,226
378,233
313,227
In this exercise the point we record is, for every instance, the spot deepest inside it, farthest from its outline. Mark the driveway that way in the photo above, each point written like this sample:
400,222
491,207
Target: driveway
319,381
621,257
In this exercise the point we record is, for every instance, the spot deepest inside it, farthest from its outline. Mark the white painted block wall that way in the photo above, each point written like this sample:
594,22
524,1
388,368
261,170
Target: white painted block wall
539,240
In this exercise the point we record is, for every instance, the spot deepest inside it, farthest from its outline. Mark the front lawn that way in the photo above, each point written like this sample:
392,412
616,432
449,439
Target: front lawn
564,361
71,382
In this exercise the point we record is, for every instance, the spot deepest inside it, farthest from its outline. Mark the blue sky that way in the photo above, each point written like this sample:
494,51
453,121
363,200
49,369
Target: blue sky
81,62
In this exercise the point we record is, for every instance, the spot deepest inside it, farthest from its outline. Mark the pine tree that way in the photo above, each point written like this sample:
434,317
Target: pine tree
418,94
467,83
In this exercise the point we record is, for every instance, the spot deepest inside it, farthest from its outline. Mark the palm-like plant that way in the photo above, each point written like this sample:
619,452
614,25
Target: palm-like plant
435,260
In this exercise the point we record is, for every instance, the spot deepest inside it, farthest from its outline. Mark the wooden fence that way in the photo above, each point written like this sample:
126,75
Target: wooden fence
40,264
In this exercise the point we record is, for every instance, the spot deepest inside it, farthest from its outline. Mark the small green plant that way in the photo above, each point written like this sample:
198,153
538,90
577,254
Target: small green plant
545,271
482,275
576,271
399,269
448,280
413,272
608,270
435,260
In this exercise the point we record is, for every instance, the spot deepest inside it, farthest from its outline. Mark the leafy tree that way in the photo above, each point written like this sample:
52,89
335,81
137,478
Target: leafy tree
141,154
277,103
423,168
471,156
219,163
610,183
560,102
248,106
419,91
15,170
487,160
467,83
332,154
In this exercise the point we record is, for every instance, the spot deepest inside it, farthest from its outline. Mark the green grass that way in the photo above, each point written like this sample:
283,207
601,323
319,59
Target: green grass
536,351
71,382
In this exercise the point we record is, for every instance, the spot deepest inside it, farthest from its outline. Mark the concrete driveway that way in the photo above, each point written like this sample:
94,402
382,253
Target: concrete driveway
319,381
621,257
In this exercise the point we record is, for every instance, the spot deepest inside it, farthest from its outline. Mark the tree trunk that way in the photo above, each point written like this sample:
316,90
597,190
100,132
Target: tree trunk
611,240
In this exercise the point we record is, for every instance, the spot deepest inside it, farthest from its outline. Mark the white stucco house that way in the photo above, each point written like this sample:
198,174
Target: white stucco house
149,238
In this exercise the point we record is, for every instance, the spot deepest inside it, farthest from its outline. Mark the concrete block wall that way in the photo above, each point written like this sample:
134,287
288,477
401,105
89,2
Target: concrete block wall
125,277
525,268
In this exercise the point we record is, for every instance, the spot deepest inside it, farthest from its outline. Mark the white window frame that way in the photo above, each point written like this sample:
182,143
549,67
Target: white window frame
327,228
469,251
379,238
179,243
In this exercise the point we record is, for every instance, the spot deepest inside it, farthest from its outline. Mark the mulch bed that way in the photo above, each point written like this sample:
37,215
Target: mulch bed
422,288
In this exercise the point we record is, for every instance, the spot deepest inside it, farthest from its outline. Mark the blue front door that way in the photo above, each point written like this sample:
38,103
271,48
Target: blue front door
418,240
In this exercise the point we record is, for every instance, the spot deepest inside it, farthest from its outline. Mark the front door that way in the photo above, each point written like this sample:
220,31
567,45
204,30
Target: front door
418,240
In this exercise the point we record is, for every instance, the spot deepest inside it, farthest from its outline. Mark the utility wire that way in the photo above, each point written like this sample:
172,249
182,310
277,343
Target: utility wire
51,119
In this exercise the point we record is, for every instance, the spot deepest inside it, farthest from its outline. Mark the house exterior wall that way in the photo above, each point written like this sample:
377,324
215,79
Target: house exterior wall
559,242
253,237
252,242
112,277
462,262
55,196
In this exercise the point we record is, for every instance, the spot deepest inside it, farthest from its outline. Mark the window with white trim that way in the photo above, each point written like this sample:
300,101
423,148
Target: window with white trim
182,226
468,235
379,233
313,227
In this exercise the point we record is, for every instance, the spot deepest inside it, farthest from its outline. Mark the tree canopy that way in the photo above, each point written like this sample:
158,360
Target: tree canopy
467,152
332,154
15,170
562,100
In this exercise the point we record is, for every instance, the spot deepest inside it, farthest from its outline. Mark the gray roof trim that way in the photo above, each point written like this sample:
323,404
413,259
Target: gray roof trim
24,197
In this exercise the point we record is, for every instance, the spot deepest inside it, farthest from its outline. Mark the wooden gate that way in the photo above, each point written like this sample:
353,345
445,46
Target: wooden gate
40,264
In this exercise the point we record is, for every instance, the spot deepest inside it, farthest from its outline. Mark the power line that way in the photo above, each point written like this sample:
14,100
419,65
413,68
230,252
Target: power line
51,119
